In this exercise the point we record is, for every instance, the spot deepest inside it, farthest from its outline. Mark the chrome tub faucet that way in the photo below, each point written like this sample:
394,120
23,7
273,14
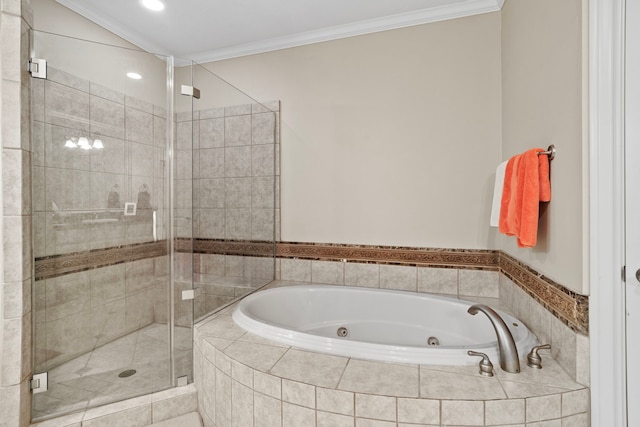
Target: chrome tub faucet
509,360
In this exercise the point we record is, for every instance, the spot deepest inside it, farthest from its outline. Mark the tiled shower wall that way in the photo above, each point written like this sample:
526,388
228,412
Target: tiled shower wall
225,162
79,195
78,200
81,311
227,170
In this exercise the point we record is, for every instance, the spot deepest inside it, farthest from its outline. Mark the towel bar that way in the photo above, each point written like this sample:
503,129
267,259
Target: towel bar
551,152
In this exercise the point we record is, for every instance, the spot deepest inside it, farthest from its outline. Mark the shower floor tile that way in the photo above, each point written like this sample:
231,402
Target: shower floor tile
92,379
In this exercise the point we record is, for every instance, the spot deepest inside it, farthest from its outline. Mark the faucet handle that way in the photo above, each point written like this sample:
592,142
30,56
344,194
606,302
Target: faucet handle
533,358
486,367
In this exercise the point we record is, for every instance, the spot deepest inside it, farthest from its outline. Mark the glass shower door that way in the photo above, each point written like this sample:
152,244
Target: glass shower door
227,177
102,288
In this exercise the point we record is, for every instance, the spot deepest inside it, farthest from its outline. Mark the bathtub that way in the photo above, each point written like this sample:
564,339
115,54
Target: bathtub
376,324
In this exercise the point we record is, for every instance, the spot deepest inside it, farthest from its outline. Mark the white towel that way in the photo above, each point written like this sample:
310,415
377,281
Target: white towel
497,194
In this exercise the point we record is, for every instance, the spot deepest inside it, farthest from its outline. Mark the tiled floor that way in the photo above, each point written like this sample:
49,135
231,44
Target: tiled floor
92,379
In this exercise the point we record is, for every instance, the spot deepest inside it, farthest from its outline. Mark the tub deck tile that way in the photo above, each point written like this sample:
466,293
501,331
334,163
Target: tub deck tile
249,337
311,368
382,378
221,327
257,356
521,390
217,343
444,385
551,375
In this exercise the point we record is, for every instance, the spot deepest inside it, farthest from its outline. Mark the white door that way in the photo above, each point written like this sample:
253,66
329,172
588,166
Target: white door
632,233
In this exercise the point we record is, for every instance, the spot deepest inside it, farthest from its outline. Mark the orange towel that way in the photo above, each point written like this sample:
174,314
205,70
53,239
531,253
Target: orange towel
526,184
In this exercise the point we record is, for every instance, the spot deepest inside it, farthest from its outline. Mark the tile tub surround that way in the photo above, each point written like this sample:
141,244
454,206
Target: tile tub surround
461,273
243,379
569,307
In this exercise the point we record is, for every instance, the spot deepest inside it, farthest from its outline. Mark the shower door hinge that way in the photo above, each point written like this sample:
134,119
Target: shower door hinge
38,68
39,383
188,294
190,91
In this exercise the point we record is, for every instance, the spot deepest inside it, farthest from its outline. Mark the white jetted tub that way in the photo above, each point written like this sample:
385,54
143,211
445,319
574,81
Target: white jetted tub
386,325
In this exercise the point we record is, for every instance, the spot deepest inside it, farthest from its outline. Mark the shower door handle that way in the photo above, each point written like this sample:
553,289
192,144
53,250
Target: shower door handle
155,226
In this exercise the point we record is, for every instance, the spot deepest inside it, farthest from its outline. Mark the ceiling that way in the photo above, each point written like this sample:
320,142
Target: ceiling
209,30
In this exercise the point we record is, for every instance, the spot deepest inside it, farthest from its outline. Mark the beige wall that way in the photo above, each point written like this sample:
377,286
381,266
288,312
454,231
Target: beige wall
389,138
543,100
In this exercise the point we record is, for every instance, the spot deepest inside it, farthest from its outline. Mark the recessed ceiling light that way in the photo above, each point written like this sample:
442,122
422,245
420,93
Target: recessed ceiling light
134,76
156,5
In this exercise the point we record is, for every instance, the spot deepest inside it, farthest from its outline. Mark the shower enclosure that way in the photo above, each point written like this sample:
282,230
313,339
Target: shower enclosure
154,204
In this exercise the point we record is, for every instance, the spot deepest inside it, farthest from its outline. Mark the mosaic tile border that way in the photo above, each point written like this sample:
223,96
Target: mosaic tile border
255,248
59,265
568,306
425,257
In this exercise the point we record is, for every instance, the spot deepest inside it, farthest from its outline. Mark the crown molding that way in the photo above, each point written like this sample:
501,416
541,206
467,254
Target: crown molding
393,22
419,17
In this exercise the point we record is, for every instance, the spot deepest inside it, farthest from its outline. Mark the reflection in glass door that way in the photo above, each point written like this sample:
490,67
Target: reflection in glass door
233,144
100,196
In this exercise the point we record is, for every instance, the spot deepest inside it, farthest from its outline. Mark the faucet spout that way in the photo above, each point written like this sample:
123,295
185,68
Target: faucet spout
509,360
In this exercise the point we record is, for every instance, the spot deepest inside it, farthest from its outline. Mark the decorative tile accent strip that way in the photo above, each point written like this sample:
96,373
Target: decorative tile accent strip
426,257
226,247
59,265
568,306
184,245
